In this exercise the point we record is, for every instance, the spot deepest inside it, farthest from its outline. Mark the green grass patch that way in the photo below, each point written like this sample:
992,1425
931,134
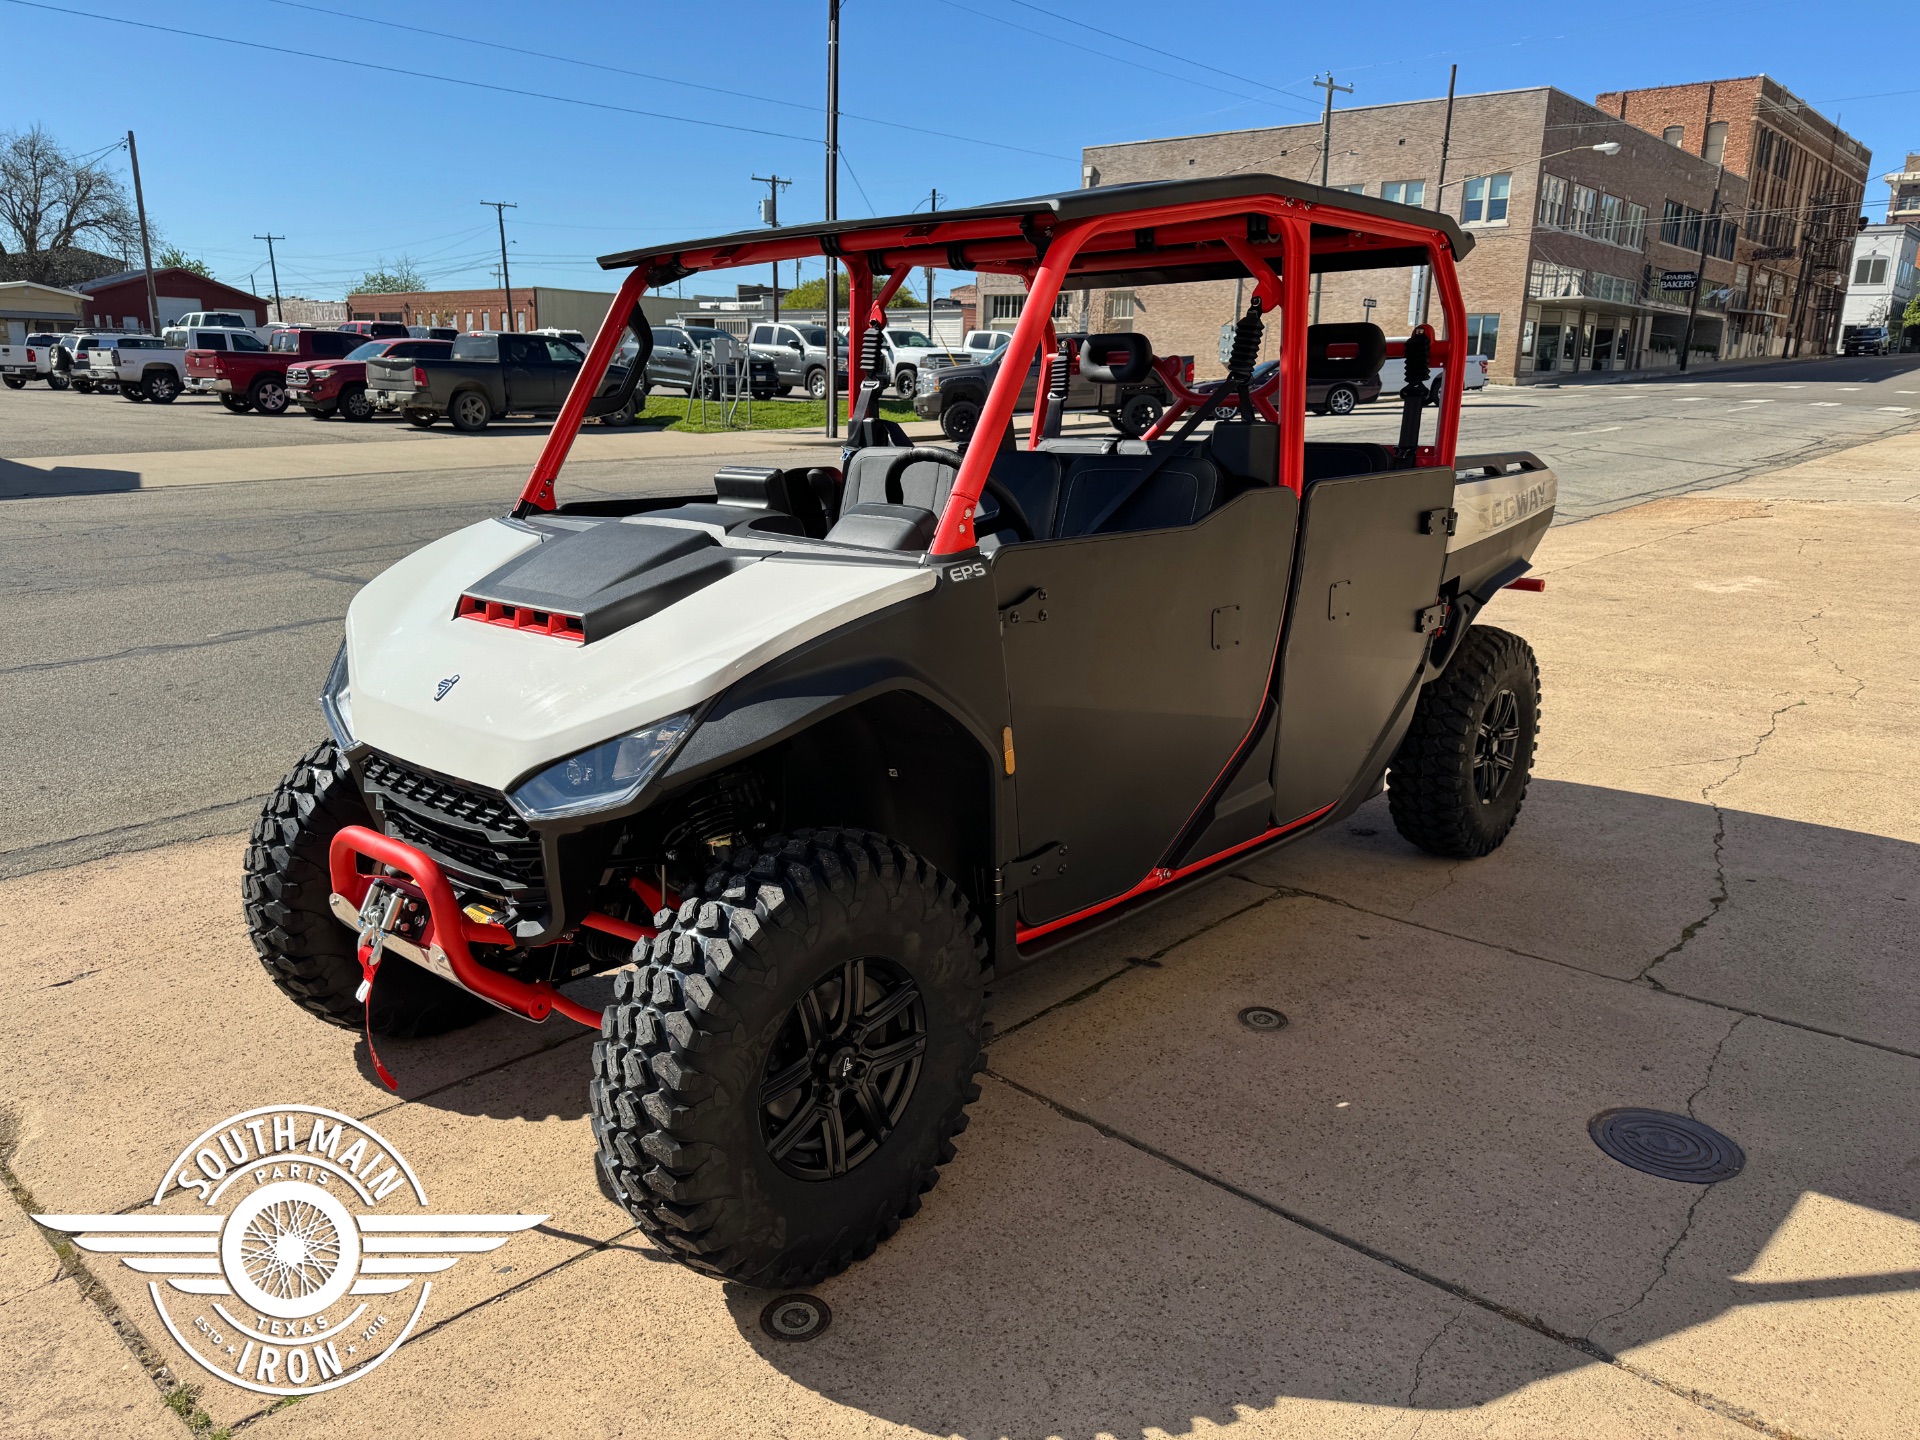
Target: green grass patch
673,412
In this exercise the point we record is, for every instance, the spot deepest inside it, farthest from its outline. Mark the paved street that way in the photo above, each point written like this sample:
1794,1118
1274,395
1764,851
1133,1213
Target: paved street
168,642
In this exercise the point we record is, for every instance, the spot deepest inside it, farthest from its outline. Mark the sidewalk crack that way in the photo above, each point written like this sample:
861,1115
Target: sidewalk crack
1420,1362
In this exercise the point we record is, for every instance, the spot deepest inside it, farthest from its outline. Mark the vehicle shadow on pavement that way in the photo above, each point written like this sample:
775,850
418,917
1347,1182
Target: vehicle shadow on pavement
19,482
1159,1216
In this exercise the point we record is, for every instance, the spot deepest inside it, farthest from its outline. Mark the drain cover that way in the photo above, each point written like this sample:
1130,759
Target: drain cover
796,1317
1674,1147
1261,1017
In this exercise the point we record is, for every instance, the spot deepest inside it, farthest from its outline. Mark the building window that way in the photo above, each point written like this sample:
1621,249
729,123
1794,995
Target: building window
1548,281
1483,199
1349,189
1120,305
520,320
1633,226
1870,270
1553,202
1610,220
486,319
1405,192
1680,225
1675,135
1005,307
1716,150
1581,210
469,320
1483,334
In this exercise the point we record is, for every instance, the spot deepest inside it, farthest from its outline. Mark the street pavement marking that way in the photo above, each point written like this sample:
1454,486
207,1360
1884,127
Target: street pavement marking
1896,409
1823,402
1683,399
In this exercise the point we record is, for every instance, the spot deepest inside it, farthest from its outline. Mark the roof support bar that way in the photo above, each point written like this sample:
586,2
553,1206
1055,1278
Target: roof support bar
538,494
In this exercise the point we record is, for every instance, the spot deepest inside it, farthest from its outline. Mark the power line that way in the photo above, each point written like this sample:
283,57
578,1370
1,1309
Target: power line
659,79
1138,45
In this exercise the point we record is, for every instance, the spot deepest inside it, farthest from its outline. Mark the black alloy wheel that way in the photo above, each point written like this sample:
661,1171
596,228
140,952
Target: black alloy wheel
843,1069
163,387
958,420
423,418
1496,747
1341,399
58,381
238,404
904,380
354,404
1138,414
132,390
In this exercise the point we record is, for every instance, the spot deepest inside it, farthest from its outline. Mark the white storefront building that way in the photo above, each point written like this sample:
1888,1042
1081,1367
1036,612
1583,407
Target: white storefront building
1881,278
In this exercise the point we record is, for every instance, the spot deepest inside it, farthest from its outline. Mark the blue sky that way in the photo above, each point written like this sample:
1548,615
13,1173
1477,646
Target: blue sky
355,165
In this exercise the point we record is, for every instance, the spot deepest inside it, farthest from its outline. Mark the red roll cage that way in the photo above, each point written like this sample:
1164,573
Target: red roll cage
1223,227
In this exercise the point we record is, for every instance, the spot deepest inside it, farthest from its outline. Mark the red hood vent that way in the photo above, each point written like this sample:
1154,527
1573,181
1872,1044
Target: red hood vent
522,617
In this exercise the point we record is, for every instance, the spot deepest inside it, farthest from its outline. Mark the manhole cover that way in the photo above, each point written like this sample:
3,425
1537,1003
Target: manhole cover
1260,1017
1674,1147
796,1317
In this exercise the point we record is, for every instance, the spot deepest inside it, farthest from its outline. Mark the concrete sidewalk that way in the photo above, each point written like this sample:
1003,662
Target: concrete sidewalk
1385,1219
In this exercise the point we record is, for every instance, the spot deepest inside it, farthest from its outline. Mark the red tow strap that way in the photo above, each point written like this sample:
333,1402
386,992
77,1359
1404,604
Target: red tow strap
369,967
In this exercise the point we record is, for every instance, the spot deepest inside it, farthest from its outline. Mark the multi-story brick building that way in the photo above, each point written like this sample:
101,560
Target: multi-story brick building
1581,259
1903,192
1806,183
535,307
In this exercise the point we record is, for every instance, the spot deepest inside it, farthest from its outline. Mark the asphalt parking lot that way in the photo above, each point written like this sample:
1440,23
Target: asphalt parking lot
1384,1218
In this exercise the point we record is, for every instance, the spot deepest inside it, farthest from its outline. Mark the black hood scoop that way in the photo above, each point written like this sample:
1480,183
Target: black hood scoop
610,574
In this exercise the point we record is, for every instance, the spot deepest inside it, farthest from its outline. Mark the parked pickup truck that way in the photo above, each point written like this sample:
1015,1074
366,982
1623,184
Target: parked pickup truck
254,376
488,376
339,387
798,354
955,394
70,359
909,353
143,366
31,359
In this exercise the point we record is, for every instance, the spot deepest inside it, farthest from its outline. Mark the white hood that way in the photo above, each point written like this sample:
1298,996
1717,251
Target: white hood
521,700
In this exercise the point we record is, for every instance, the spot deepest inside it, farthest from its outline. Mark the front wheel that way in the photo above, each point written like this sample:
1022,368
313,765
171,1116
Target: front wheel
904,379
57,381
14,382
1456,783
354,403
781,1077
958,420
307,952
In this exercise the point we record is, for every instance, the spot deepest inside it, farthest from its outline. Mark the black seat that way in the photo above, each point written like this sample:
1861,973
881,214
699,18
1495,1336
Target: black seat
924,483
1178,492
1331,459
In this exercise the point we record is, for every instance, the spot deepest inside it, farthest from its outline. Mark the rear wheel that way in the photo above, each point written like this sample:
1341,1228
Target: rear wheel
238,404
957,421
781,1078
354,404
163,387
1340,400
132,390
58,380
307,952
423,418
470,412
1458,779
13,382
268,395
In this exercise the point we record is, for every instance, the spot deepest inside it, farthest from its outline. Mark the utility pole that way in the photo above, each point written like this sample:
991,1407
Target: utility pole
1326,154
500,208
146,242
770,213
933,204
1708,235
833,213
1440,187
274,266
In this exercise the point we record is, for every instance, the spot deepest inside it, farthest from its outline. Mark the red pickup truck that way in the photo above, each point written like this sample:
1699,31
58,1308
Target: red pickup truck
257,379
327,388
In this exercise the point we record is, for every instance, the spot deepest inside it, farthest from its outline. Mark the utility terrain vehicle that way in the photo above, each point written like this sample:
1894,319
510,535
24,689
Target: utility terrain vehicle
810,758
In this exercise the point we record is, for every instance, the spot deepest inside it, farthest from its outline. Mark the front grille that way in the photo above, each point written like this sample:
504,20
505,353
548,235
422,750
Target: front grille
474,830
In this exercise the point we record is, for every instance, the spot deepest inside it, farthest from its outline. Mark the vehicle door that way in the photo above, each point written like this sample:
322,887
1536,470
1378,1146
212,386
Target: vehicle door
563,363
525,378
789,355
672,360
1137,665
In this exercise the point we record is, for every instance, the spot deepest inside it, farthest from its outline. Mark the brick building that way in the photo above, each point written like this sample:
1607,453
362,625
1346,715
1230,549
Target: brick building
1581,259
119,302
1806,183
1903,187
535,307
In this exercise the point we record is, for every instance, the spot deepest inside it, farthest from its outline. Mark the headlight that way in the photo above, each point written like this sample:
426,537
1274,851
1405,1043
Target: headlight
336,701
608,775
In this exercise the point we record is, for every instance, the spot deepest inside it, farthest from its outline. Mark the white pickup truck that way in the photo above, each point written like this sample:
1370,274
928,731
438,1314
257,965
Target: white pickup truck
909,351
31,359
145,367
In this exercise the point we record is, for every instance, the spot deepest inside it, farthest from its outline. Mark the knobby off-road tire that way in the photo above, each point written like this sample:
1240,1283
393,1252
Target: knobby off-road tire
308,953
1456,784
685,1110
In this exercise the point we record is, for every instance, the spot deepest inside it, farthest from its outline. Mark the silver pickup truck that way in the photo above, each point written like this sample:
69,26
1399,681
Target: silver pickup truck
145,367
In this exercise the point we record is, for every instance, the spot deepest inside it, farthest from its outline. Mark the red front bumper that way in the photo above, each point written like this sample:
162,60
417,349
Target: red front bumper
449,931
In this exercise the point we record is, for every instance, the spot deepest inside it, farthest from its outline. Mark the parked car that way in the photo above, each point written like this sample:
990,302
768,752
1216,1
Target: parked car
682,352
982,345
1866,340
70,359
254,377
432,332
798,354
142,367
214,320
376,329
31,359
485,377
954,395
339,387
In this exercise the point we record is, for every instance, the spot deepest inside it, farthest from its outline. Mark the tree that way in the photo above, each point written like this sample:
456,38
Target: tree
51,202
1912,315
172,257
813,296
397,277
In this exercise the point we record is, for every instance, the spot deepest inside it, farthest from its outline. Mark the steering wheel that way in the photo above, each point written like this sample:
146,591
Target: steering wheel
1010,512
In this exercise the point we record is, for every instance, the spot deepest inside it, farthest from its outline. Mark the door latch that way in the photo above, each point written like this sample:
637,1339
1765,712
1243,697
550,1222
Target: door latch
1432,620
1439,522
